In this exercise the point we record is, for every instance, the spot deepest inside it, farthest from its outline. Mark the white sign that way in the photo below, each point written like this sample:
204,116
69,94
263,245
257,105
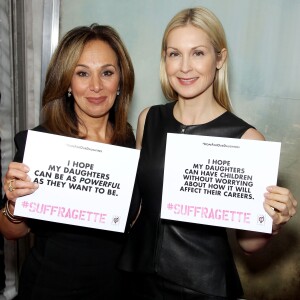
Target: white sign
219,181
81,182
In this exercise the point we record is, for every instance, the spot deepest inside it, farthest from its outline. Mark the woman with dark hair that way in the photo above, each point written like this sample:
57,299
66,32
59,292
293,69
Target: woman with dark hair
88,89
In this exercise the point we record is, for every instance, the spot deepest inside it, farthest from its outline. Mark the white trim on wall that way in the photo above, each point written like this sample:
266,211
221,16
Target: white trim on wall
50,34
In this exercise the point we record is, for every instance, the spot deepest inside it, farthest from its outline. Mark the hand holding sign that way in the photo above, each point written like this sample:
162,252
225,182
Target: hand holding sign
94,192
217,182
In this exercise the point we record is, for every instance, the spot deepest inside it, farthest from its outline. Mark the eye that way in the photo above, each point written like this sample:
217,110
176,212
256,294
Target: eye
82,74
198,53
107,73
173,54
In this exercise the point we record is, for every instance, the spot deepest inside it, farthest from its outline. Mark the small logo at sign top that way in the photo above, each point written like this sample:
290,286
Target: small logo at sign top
115,220
261,219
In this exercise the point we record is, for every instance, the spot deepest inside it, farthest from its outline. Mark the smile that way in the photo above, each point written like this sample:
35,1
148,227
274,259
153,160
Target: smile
187,81
96,100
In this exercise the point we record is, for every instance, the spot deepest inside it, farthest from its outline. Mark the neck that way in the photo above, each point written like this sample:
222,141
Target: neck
98,131
195,111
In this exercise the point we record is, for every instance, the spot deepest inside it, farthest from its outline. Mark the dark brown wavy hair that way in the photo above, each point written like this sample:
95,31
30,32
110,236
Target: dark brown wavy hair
58,114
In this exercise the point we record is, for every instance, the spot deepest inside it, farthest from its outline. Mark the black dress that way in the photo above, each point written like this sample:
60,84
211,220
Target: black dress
70,262
194,256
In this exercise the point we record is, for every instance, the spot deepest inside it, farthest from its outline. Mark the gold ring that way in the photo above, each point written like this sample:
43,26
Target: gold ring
10,187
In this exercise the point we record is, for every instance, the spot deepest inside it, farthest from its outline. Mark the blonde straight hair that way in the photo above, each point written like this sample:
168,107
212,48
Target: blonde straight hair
205,20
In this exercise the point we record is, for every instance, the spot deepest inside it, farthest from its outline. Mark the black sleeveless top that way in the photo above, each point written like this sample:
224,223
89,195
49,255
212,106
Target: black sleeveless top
70,262
192,255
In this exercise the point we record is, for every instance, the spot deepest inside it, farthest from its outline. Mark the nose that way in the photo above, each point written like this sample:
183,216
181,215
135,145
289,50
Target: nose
96,84
186,64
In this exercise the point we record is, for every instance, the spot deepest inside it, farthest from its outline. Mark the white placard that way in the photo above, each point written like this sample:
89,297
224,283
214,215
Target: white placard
219,181
81,182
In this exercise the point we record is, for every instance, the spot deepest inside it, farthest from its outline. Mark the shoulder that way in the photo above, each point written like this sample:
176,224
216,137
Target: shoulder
250,133
20,142
143,114
253,134
232,117
140,127
154,110
148,111
22,135
164,109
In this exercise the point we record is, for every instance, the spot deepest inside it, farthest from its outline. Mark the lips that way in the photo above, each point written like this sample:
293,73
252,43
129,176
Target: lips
187,81
96,100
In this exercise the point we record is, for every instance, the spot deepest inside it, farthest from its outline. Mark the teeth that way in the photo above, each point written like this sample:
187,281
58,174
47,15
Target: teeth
190,79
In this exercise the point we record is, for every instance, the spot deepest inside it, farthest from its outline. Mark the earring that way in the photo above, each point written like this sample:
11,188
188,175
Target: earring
118,92
69,92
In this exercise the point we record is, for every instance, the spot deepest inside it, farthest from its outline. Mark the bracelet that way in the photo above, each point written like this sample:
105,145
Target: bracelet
11,217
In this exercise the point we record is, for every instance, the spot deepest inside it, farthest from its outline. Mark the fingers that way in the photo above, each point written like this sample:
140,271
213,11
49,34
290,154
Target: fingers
280,204
20,188
17,170
17,183
281,194
281,199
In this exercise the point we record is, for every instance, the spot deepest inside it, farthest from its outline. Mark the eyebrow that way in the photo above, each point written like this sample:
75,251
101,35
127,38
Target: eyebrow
104,66
199,46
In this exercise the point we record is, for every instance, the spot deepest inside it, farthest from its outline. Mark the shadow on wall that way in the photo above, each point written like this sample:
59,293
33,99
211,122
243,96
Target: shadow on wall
270,268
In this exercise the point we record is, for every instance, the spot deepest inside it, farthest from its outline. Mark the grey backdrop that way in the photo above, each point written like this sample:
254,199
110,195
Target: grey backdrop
264,45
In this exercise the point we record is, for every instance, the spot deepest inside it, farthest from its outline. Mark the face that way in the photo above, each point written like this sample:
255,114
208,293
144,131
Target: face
95,80
191,62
